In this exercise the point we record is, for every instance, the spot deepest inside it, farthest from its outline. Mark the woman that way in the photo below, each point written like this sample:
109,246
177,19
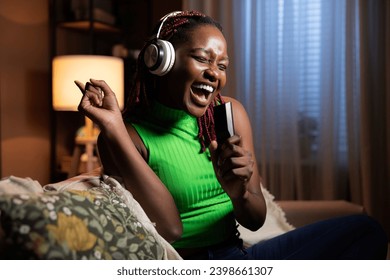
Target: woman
193,188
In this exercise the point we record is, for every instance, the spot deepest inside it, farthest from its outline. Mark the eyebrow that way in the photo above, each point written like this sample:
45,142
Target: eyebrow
207,52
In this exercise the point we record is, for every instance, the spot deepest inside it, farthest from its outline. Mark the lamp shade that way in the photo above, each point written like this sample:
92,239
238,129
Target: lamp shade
68,68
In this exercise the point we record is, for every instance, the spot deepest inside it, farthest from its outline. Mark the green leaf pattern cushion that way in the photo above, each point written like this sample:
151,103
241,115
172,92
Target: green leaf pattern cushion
74,224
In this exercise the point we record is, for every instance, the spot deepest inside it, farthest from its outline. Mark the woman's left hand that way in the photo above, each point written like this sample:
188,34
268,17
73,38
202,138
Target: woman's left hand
233,166
236,169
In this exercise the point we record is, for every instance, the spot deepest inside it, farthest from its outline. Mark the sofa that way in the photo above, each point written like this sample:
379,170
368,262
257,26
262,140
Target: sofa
92,216
303,212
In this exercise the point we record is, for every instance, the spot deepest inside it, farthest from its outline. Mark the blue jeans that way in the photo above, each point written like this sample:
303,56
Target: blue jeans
351,237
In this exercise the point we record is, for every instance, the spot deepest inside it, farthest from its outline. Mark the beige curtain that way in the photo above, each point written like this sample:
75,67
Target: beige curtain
361,173
371,176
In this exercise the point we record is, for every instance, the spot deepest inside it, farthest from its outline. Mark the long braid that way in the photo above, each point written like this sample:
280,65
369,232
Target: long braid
174,29
206,124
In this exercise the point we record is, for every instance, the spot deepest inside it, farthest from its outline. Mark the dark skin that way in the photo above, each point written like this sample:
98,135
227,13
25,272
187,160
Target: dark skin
201,62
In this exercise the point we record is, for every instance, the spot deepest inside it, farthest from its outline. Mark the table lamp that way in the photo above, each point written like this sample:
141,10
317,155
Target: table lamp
66,95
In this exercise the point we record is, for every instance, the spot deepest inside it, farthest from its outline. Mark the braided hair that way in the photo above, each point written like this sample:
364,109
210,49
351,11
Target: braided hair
176,30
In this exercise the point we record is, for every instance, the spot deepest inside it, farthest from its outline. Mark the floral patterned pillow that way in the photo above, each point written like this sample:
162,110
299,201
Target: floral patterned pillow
91,224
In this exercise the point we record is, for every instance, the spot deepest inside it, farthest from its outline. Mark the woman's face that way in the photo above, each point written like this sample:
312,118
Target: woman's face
199,72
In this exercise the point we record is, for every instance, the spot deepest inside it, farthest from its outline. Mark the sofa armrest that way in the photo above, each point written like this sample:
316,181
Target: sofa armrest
303,212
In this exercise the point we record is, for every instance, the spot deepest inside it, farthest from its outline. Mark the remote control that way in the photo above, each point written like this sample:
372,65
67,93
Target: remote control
223,120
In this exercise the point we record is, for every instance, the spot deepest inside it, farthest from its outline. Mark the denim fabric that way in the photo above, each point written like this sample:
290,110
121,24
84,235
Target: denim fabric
350,237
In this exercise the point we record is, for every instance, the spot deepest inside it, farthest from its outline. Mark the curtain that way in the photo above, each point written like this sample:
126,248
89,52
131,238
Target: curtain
373,169
314,78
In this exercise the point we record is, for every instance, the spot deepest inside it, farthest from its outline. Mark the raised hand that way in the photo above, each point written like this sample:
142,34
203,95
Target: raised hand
99,103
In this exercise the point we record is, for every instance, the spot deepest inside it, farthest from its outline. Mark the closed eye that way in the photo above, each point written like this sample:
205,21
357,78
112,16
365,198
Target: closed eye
201,59
222,67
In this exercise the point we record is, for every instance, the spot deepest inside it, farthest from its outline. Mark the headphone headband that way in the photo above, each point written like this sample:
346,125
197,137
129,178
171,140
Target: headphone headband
164,18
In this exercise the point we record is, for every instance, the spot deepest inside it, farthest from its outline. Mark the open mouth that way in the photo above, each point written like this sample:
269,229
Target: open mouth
201,94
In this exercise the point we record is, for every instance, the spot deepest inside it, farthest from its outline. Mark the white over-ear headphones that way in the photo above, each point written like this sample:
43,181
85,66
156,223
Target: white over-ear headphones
159,55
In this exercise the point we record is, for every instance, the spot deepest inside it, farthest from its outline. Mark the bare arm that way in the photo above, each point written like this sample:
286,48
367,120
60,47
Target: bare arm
236,168
121,157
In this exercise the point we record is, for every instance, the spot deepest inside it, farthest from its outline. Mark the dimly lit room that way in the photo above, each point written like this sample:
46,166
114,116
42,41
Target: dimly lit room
310,79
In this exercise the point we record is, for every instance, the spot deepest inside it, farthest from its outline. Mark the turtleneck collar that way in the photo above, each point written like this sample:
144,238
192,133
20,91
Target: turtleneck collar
170,115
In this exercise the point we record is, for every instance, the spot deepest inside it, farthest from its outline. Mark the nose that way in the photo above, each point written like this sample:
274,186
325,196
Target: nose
212,73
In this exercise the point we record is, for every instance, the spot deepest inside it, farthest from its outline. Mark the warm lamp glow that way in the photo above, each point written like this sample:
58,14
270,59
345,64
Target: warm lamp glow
67,96
68,68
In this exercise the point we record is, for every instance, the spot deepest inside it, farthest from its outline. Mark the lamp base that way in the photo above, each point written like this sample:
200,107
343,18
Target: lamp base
87,132
86,138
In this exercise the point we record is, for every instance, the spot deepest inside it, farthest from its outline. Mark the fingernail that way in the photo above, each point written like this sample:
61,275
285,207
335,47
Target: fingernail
87,85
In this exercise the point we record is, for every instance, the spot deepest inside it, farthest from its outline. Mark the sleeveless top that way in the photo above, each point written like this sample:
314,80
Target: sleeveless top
206,211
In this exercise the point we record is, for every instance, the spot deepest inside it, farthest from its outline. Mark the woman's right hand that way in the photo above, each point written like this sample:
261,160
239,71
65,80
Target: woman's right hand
99,103
121,158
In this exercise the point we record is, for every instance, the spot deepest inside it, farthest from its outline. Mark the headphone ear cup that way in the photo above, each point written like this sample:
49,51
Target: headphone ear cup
159,57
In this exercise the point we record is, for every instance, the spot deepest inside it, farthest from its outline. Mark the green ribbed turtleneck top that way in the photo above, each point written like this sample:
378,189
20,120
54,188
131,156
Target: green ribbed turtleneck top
170,136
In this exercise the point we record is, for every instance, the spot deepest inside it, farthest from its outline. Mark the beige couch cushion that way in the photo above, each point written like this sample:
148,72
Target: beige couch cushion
303,212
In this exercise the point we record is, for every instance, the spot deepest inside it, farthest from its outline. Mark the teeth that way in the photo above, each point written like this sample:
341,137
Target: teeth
208,88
